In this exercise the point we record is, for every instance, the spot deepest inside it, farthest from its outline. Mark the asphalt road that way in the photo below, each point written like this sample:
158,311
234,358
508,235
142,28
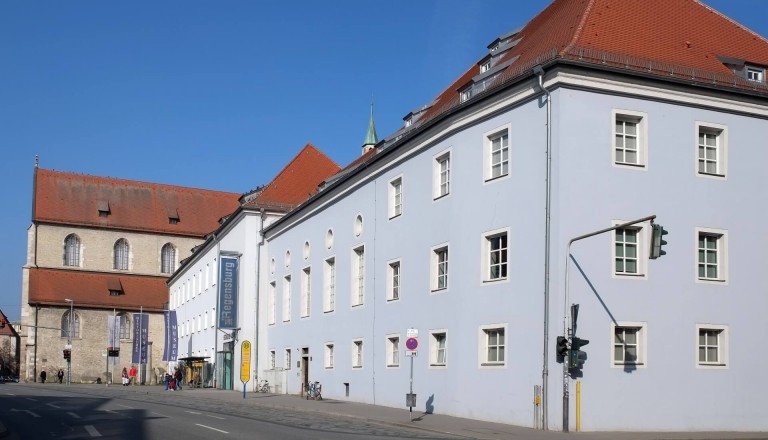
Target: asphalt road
53,412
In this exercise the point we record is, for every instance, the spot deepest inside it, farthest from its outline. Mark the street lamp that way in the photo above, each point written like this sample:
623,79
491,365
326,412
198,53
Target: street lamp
69,338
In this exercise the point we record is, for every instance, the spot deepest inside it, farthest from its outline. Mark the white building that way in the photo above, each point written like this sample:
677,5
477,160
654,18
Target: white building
459,226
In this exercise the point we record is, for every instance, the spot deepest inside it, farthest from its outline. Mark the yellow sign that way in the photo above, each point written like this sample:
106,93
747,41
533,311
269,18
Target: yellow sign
245,362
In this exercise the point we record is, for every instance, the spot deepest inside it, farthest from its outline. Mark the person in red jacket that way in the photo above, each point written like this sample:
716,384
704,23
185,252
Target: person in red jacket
132,374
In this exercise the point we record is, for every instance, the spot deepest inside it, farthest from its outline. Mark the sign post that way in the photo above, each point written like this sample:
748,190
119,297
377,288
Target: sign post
412,343
245,364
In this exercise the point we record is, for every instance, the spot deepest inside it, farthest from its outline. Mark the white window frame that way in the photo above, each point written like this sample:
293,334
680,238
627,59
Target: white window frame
271,303
640,119
306,292
486,66
437,266
272,359
641,343
394,279
484,333
720,132
722,255
287,298
287,359
641,254
357,353
485,257
395,197
434,349
722,346
488,164
328,356
756,74
392,350
329,284
358,276
465,94
441,177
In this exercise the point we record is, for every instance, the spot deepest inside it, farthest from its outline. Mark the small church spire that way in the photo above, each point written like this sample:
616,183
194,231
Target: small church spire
371,138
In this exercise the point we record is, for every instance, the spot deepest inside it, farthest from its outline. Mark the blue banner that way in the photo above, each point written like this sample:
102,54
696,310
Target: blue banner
140,338
171,348
228,293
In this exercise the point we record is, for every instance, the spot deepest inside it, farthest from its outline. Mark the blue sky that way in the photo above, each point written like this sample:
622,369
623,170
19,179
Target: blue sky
221,95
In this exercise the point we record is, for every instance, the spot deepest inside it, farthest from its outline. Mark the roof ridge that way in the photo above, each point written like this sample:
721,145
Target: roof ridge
711,9
579,28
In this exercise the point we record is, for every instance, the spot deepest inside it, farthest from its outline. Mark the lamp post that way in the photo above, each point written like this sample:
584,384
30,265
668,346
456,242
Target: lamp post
69,338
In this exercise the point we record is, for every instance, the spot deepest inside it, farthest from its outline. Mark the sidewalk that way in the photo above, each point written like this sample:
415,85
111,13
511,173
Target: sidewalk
434,423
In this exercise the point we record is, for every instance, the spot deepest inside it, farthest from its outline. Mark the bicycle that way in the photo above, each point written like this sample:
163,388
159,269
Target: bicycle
314,391
262,386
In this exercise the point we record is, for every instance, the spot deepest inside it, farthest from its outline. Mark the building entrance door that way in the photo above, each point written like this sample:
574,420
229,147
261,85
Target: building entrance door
304,370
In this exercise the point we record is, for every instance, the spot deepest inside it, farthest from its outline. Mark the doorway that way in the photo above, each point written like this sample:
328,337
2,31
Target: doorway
304,370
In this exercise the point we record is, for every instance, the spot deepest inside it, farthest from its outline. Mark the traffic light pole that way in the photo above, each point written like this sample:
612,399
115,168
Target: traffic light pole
568,330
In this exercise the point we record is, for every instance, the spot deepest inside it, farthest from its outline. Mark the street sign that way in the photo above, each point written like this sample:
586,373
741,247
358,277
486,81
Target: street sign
412,333
414,353
245,362
410,400
412,343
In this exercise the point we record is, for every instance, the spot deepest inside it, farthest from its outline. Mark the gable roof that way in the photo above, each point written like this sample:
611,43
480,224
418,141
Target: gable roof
296,182
7,329
91,289
77,199
675,39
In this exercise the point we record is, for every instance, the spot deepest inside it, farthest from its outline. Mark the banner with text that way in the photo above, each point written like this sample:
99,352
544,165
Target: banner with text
140,338
228,292
171,348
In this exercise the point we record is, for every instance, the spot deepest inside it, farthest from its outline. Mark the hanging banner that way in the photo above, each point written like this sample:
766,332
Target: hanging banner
113,337
171,348
228,292
140,338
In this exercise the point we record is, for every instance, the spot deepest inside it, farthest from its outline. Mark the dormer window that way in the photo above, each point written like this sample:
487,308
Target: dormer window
103,209
173,216
755,74
486,66
409,122
495,47
466,94
115,287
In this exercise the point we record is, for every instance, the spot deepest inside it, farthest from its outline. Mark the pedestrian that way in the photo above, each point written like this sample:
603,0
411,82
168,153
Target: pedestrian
60,375
43,374
167,381
124,376
132,374
177,376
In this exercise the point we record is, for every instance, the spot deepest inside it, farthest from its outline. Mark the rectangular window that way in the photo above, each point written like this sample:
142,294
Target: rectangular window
712,256
439,268
287,299
306,292
712,346
329,356
393,287
358,276
629,138
271,313
629,344
496,256
437,349
393,351
357,353
494,346
711,149
272,359
329,291
755,74
629,250
395,197
441,172
499,146
287,359
465,94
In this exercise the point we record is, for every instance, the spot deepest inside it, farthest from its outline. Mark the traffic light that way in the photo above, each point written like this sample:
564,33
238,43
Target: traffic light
67,354
657,241
576,356
562,347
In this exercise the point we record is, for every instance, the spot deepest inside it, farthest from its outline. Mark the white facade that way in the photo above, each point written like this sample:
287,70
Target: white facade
460,256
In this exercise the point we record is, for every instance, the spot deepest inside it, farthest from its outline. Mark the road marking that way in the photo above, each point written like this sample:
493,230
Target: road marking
124,406
10,394
109,411
91,430
29,398
225,432
216,417
157,413
53,406
26,411
192,412
74,416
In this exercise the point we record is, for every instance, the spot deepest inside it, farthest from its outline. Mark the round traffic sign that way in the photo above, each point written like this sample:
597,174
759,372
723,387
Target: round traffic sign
411,343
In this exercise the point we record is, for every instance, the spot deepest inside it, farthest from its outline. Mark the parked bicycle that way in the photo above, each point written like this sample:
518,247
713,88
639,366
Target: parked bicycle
314,391
262,386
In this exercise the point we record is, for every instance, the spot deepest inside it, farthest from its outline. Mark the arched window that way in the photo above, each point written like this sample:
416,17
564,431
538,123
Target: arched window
125,326
65,325
168,259
72,250
121,255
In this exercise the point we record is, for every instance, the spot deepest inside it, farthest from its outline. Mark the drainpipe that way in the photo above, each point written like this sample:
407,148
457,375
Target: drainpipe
539,72
258,300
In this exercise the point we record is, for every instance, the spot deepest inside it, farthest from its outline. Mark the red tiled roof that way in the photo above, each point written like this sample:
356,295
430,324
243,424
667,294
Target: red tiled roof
7,329
686,34
297,181
91,289
75,199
